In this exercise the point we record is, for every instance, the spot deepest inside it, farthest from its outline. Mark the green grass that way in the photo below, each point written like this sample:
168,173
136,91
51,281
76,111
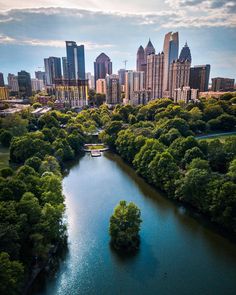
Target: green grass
4,157
95,147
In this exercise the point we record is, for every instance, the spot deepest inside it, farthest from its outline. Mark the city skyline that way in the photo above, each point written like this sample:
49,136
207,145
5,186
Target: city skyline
29,35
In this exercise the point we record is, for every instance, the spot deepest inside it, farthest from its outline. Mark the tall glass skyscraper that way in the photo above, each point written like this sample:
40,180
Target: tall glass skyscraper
52,69
75,61
24,81
102,67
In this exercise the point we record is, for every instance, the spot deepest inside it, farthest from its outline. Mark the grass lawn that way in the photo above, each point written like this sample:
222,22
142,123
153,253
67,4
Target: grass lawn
95,147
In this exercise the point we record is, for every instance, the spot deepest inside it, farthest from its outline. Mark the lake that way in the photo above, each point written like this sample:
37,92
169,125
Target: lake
178,254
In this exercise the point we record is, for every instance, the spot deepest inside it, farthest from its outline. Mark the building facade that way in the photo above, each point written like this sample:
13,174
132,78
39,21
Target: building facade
75,61
222,84
113,93
2,84
13,82
4,93
101,86
52,69
40,75
102,67
90,79
185,53
186,94
140,60
24,82
178,76
134,83
65,67
154,76
171,53
37,85
199,77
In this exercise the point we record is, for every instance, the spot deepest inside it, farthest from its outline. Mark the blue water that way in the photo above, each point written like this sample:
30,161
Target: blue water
177,254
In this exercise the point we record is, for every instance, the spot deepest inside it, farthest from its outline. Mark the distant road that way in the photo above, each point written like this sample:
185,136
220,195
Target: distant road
215,135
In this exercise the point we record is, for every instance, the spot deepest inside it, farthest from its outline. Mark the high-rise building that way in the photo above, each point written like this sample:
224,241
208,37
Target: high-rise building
37,85
134,82
75,61
171,52
101,86
13,82
2,84
222,84
40,76
199,77
102,67
155,71
113,95
90,79
185,53
149,49
121,74
24,82
65,67
140,61
179,75
52,69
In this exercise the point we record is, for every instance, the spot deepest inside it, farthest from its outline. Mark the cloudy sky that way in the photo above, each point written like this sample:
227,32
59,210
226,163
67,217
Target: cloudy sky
31,30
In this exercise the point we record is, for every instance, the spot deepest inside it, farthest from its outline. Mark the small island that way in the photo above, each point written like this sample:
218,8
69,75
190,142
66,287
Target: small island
125,226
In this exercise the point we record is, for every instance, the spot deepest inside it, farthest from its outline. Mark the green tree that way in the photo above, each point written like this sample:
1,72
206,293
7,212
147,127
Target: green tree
5,138
125,226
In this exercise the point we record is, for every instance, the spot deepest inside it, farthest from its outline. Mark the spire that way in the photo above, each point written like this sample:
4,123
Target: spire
185,54
149,49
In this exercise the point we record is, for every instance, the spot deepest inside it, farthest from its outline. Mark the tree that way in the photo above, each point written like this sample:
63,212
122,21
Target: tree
125,226
5,138
11,275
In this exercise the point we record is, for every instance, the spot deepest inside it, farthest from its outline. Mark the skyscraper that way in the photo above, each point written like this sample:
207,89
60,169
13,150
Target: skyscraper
40,76
149,49
171,52
178,75
75,60
121,74
140,61
185,53
134,82
65,67
13,82
24,82
113,94
199,77
52,69
90,79
102,67
2,84
155,71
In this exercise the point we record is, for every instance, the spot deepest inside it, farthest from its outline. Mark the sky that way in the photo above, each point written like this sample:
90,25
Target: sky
32,30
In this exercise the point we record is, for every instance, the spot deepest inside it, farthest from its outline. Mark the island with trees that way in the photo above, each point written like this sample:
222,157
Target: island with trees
125,226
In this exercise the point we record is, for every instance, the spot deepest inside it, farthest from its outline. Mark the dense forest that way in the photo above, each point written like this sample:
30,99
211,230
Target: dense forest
160,140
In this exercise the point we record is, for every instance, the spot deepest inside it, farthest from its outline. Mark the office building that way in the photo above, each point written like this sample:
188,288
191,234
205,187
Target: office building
13,82
4,93
101,86
222,84
52,69
2,84
185,54
40,75
149,49
186,94
154,76
121,74
179,75
134,83
65,68
140,61
37,85
102,67
75,61
171,52
71,93
24,82
90,79
199,77
113,95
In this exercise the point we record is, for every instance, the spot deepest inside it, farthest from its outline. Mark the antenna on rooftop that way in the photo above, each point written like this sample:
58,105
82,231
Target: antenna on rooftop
125,62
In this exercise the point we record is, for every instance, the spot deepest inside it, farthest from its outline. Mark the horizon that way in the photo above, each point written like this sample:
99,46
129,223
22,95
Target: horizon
30,33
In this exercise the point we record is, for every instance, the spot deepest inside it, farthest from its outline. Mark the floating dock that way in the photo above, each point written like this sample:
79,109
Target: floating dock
96,153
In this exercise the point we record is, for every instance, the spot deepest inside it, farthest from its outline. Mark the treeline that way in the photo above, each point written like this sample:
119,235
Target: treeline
159,140
31,199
